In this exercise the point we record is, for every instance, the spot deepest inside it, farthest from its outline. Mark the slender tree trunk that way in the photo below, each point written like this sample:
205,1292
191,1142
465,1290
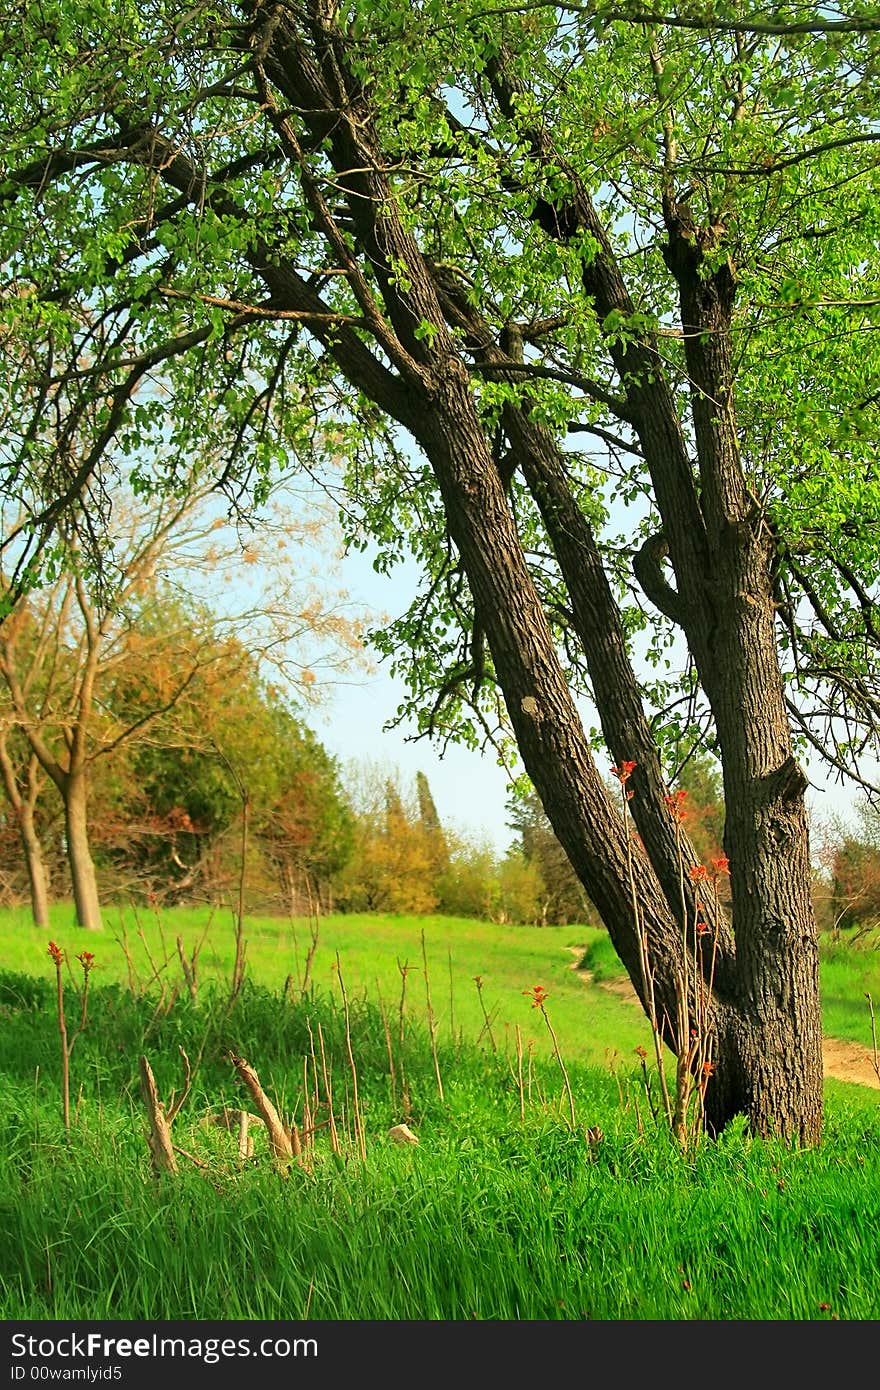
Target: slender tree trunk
38,879
23,805
548,728
79,855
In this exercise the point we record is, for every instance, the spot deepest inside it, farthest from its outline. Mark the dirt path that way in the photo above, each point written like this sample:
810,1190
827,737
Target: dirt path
844,1061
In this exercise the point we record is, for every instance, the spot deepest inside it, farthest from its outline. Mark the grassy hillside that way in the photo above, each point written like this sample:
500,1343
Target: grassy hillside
379,956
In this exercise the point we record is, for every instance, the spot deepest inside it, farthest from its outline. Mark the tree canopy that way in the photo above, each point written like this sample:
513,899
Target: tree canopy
171,242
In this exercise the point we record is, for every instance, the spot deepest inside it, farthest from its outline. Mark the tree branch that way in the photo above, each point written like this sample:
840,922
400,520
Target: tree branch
648,569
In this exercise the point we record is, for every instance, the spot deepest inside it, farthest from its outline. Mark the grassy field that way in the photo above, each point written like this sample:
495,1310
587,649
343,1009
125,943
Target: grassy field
504,1209
372,953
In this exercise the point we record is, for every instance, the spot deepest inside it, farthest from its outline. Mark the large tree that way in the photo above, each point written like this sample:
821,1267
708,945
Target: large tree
513,271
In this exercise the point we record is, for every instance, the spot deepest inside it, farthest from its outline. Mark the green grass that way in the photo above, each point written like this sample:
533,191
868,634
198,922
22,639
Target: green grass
371,950
848,973
501,1211
503,1221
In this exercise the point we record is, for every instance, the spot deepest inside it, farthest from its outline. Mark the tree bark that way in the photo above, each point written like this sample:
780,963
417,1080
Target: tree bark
548,728
32,849
38,879
79,856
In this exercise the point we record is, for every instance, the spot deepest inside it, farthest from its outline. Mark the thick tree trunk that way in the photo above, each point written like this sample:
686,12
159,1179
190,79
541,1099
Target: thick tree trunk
79,855
778,1038
774,1046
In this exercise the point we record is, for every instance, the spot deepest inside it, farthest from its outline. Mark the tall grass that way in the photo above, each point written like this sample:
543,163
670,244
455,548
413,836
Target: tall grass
536,1191
140,952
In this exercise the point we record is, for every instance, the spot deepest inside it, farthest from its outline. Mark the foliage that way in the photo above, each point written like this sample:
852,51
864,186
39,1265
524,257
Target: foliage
477,882
393,865
173,264
175,829
584,309
855,894
404,860
562,896
470,885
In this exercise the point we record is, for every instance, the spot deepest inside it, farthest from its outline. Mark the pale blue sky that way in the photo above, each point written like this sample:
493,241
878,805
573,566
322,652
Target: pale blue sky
469,790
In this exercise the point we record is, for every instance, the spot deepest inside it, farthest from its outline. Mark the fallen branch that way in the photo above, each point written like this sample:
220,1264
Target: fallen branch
159,1137
278,1136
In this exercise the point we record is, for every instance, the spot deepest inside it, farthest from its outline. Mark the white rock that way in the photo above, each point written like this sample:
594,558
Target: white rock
402,1134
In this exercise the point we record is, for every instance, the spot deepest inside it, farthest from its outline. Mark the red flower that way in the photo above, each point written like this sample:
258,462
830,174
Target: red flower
86,960
537,994
720,866
624,772
56,953
708,1068
702,928
698,873
676,805
641,1052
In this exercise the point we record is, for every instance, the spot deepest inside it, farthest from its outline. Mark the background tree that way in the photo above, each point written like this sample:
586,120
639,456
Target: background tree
306,826
703,805
855,891
470,884
392,866
847,854
164,809
430,823
57,728
562,895
167,799
23,782
104,669
455,242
